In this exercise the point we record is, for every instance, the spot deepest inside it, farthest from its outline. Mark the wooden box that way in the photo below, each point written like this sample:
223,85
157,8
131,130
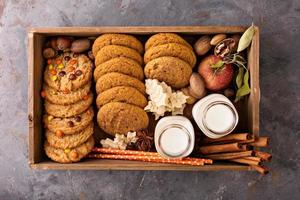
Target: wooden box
37,36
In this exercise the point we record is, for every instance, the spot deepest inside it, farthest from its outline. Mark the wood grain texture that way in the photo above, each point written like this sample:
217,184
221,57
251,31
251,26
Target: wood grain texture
107,164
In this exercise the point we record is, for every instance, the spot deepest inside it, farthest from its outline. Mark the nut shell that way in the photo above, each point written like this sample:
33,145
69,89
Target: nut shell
80,45
197,86
217,38
202,46
191,99
63,43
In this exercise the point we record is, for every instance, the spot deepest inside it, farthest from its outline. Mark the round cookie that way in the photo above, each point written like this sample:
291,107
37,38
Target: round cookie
115,51
117,39
173,71
69,141
69,125
69,110
121,118
66,98
171,49
68,72
114,79
164,38
123,94
69,155
121,65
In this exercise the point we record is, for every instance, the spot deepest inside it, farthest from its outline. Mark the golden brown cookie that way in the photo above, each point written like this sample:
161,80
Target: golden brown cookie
115,51
69,141
69,155
66,98
69,125
173,71
121,118
171,49
69,71
114,79
121,65
164,38
69,110
122,94
117,39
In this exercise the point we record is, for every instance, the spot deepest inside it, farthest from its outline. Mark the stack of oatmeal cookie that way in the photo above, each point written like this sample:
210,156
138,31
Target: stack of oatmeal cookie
119,83
68,99
169,58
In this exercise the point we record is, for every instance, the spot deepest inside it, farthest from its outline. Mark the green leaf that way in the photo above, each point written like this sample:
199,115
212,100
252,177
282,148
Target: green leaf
217,65
239,77
245,89
246,38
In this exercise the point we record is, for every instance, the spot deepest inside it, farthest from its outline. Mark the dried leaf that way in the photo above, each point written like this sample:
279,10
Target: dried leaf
239,77
245,89
217,65
246,38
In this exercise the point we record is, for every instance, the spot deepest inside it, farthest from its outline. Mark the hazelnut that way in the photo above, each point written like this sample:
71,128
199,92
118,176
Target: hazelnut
229,92
53,43
49,53
202,46
63,43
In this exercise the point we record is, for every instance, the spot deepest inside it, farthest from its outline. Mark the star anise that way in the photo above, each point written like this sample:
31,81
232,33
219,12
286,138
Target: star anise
144,141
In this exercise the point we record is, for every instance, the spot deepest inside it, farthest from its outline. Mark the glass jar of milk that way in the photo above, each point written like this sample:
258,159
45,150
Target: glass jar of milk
174,137
215,115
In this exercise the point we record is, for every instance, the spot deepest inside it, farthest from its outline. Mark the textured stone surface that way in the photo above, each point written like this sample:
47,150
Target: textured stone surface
280,101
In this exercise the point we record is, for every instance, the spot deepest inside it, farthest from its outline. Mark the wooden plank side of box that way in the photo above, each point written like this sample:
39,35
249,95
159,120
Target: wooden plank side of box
106,164
36,39
84,31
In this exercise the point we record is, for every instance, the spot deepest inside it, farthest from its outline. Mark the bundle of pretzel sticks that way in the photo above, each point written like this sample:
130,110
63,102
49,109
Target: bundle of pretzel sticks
237,148
106,153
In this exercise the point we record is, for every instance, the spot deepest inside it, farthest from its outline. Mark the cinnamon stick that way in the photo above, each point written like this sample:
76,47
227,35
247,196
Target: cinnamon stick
260,142
245,147
229,156
263,155
230,137
260,169
245,161
253,158
232,147
147,159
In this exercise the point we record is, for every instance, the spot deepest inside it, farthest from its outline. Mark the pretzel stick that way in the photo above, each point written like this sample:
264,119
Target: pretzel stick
260,169
123,152
260,142
263,155
143,153
230,137
245,161
228,156
147,159
220,148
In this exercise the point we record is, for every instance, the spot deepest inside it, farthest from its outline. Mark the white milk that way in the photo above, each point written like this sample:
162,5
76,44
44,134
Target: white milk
219,118
174,137
215,115
174,141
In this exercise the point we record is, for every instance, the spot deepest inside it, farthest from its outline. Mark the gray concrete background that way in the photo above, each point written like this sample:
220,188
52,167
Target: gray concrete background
280,103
